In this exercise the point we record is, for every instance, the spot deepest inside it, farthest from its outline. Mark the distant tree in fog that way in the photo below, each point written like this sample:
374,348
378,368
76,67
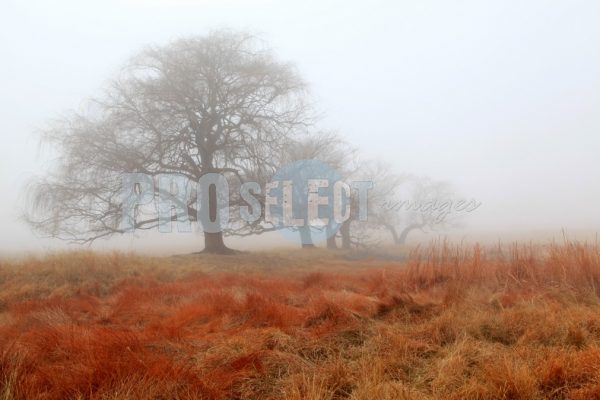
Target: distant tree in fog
215,104
424,205
386,184
331,149
326,147
400,204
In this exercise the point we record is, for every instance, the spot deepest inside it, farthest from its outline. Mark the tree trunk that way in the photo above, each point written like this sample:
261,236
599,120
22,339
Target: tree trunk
331,243
345,232
306,237
213,242
401,239
394,233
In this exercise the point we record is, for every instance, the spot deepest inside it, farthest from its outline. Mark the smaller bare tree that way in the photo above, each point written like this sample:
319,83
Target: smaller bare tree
330,149
419,204
400,204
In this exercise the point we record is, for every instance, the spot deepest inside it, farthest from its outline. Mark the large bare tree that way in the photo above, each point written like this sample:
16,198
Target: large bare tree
220,103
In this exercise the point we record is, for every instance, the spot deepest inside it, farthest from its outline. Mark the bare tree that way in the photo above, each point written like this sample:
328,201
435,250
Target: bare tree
386,184
215,104
400,204
333,151
415,203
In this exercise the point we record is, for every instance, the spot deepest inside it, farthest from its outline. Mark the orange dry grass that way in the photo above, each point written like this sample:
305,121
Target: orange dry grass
449,323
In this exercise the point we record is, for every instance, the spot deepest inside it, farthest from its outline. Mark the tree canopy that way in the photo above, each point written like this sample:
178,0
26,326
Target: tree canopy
220,103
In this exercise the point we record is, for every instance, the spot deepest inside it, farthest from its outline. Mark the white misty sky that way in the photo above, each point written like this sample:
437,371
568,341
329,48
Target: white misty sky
501,98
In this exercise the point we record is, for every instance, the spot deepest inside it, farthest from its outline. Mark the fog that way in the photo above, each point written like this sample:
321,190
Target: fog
500,99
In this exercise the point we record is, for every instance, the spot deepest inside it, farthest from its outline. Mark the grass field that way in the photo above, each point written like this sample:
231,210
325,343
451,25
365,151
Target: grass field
519,322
